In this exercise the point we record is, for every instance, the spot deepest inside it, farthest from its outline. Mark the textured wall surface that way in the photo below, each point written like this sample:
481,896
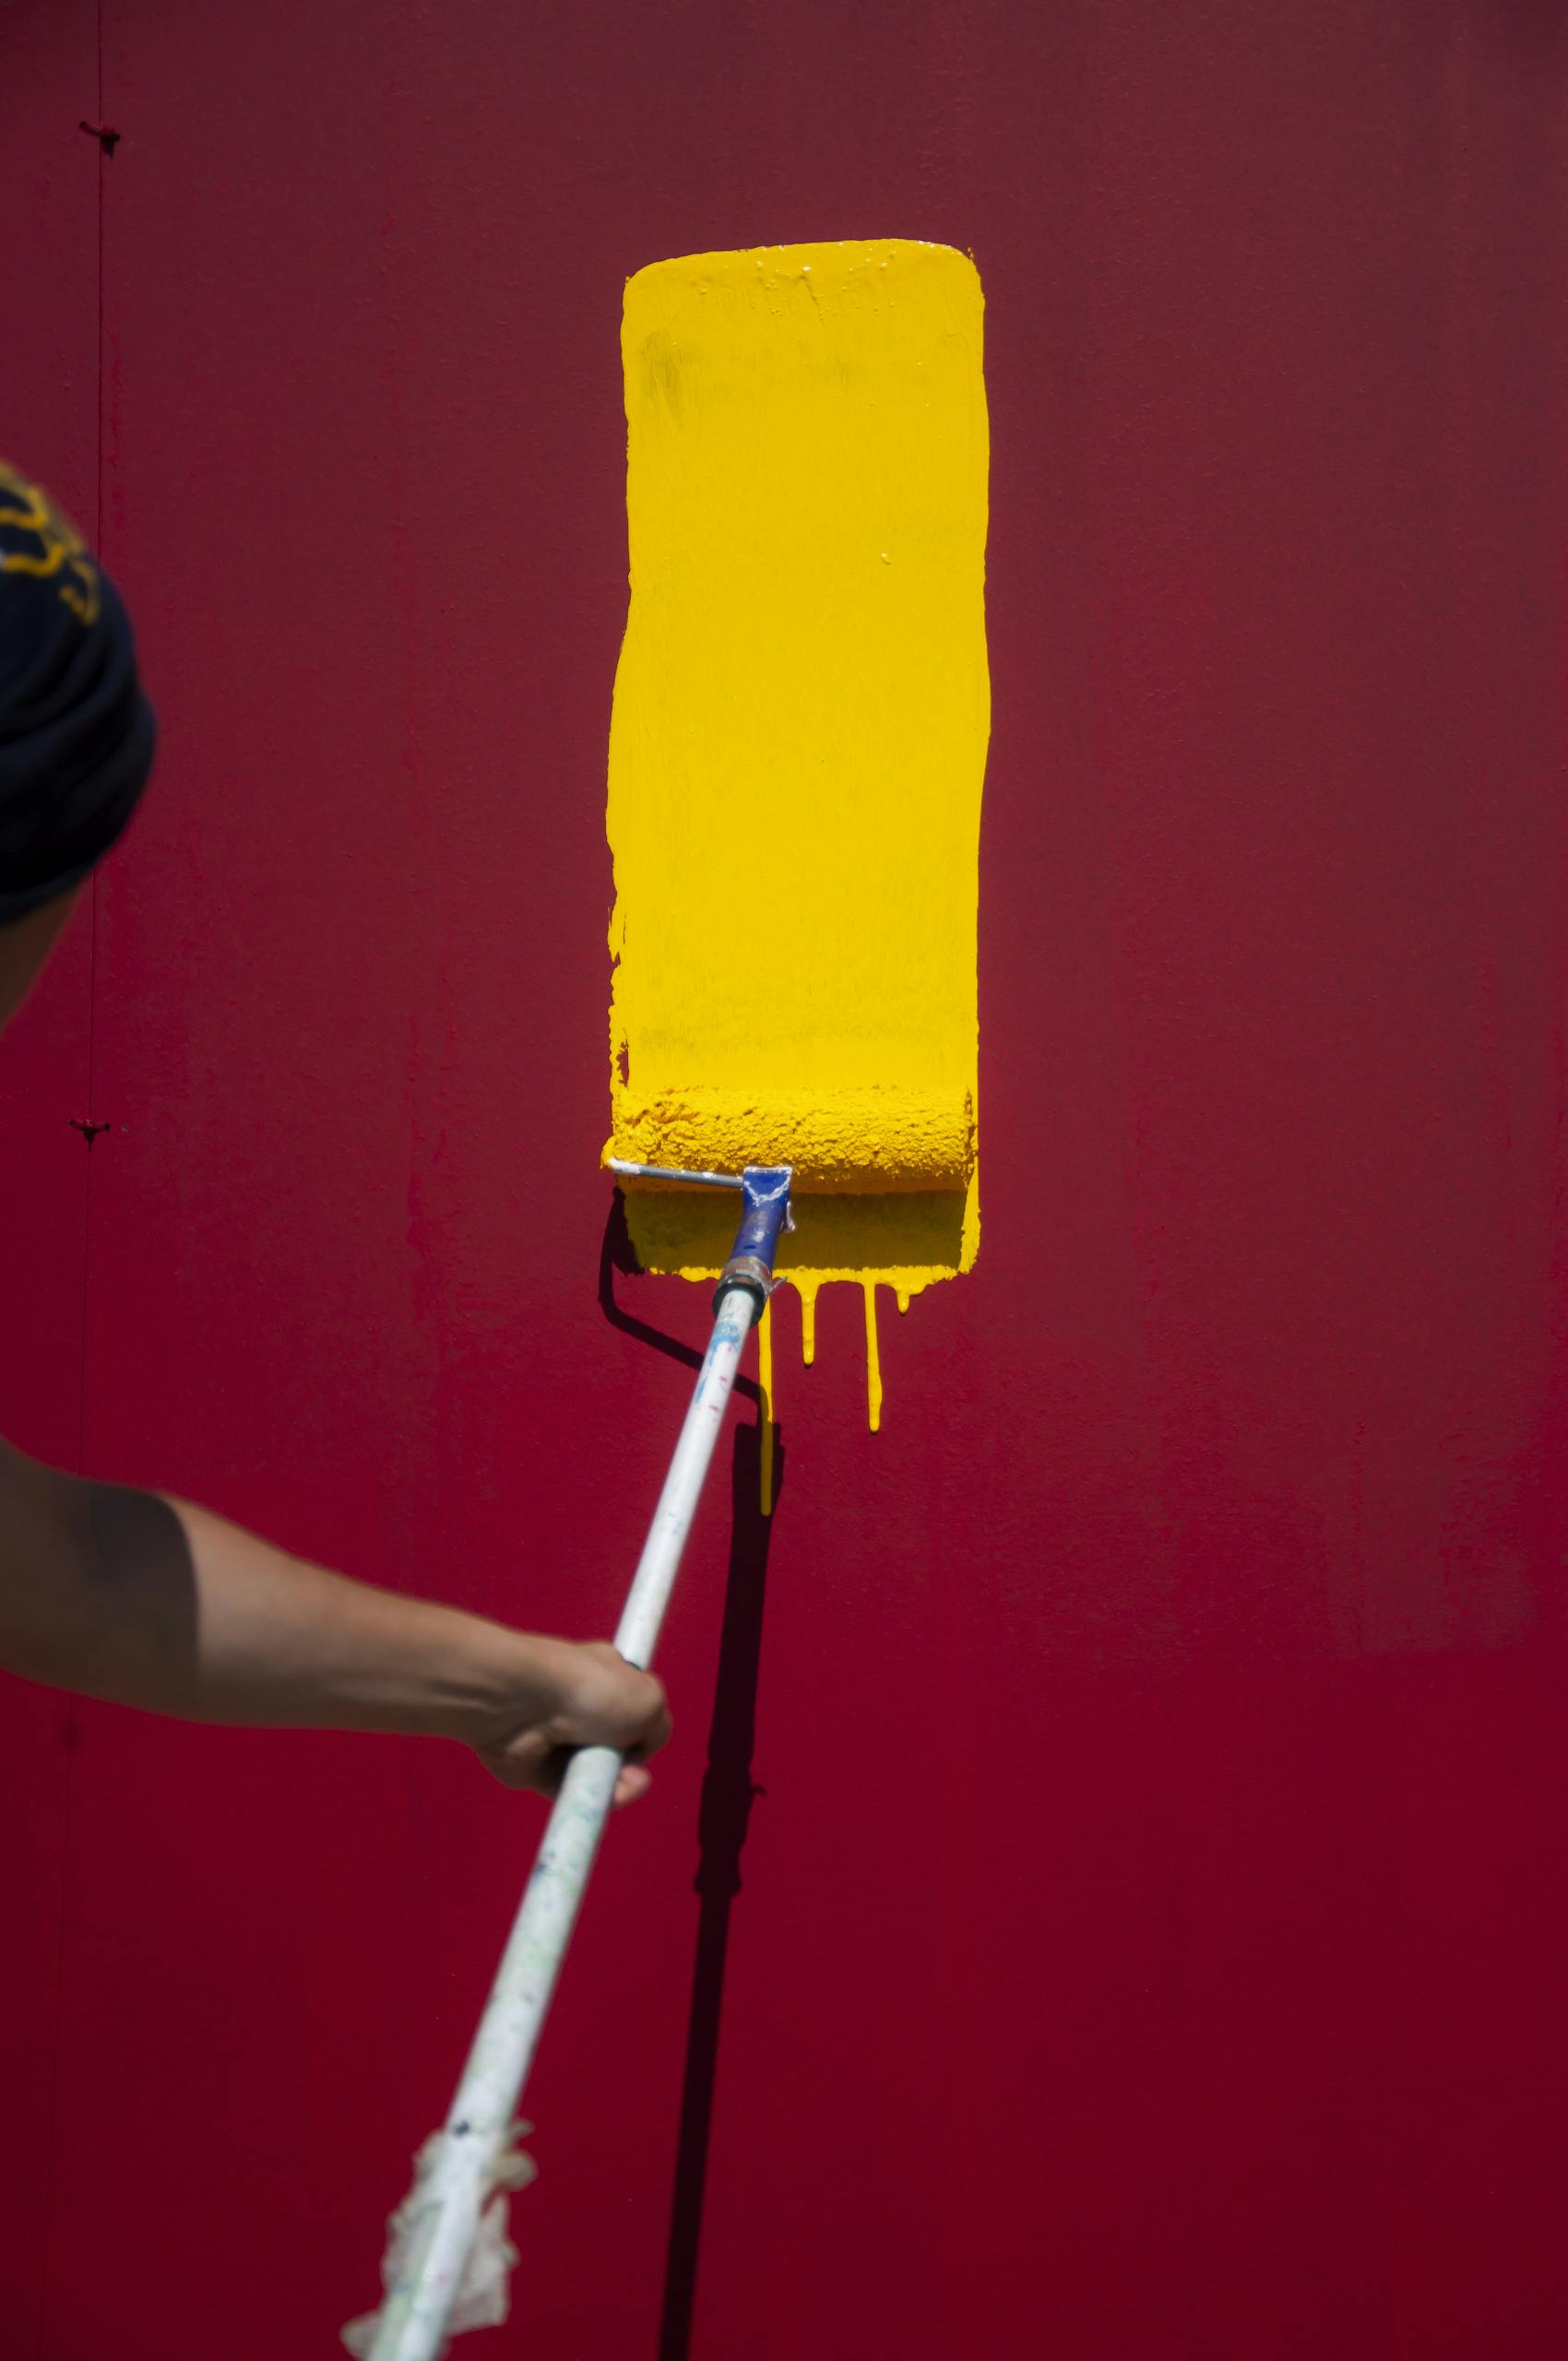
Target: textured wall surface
1151,1933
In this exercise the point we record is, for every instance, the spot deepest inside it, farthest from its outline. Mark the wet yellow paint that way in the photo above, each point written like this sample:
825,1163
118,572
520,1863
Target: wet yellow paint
797,750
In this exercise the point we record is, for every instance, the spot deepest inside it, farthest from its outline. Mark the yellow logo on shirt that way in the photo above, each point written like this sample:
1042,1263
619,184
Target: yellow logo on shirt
35,537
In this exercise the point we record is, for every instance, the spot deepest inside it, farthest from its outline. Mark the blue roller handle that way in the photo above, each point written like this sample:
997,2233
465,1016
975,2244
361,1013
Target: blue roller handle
765,1190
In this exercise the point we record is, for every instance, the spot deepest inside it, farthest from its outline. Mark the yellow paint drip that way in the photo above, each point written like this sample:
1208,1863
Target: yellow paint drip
808,1287
873,1360
796,755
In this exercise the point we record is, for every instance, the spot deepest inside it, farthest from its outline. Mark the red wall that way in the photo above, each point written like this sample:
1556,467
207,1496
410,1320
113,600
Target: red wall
1153,1932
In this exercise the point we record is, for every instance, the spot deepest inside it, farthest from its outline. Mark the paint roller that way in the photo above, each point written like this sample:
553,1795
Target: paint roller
859,1143
443,2262
906,409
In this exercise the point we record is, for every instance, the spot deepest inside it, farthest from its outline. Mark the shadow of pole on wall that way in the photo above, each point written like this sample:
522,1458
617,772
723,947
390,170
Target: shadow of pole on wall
616,1252
727,1796
728,1792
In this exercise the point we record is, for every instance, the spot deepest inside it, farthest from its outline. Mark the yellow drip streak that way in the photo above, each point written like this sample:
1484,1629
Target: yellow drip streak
765,1406
807,1289
873,1360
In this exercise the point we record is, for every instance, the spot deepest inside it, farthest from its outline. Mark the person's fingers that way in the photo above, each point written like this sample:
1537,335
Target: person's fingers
655,1733
513,1769
604,1701
655,1724
539,1772
615,1704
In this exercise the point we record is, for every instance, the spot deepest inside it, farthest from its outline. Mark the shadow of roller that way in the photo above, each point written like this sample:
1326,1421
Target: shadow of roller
724,1815
616,1252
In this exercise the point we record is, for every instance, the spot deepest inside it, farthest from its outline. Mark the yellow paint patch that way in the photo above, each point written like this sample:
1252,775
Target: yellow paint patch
797,750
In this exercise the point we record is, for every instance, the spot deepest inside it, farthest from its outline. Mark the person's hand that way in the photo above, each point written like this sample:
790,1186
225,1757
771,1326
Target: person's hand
589,1695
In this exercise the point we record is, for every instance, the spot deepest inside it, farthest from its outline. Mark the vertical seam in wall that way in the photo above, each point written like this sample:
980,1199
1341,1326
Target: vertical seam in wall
92,884
70,1724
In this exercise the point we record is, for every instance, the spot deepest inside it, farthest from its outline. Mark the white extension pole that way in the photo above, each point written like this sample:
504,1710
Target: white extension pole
413,2320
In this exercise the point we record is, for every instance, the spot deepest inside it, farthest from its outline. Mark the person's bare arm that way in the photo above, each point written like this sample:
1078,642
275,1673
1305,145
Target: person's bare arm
147,1601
